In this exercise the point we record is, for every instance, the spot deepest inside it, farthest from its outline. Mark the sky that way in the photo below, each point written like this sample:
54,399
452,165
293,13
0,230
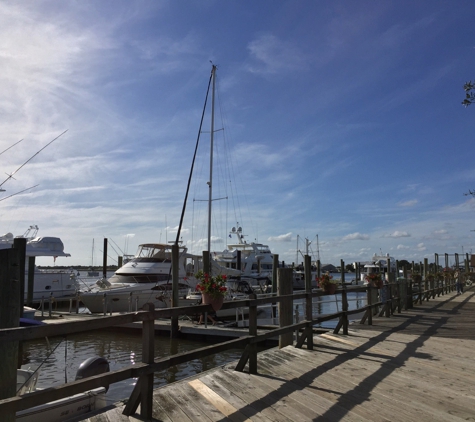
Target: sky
340,124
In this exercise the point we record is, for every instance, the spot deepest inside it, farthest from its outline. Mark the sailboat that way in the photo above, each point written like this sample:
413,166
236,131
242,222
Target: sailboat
147,277
237,287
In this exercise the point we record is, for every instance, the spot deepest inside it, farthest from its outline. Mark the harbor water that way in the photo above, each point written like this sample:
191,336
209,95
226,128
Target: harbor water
60,358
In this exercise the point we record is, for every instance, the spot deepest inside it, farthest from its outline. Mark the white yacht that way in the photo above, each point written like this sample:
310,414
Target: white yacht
378,264
256,258
47,283
146,278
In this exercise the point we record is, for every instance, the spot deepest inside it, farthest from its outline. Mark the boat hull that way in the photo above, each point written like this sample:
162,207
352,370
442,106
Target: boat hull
67,408
128,298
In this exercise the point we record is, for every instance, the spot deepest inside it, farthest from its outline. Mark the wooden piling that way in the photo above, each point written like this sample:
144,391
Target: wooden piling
31,281
308,300
174,329
104,259
10,305
285,287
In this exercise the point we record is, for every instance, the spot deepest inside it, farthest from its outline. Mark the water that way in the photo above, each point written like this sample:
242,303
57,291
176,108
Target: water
121,348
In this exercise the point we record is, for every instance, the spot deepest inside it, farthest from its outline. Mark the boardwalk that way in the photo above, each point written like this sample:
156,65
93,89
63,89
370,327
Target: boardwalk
414,366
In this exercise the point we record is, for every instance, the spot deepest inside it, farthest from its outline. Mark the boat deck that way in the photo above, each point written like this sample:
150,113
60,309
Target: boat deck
416,365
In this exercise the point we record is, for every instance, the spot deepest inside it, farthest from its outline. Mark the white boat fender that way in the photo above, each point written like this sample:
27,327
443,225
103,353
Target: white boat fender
93,366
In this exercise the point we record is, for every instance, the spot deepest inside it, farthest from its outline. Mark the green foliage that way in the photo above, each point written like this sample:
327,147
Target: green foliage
469,88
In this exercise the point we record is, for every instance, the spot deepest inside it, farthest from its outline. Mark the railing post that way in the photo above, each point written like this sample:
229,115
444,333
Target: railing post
284,288
252,332
148,354
174,329
275,266
308,302
344,316
369,299
420,293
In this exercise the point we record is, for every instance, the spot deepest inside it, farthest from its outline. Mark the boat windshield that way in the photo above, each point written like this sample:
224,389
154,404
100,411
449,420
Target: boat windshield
160,252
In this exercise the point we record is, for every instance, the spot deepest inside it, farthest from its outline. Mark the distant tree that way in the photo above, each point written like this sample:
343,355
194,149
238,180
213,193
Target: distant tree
469,88
349,268
403,263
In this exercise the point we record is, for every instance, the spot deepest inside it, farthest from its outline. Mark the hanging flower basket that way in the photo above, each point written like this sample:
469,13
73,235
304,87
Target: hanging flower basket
326,283
416,278
330,289
375,280
215,302
212,289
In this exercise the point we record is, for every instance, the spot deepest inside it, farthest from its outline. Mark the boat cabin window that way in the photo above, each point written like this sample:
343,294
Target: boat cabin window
154,252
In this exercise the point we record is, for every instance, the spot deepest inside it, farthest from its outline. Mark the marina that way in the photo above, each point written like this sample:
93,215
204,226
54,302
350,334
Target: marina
142,340
236,339
400,368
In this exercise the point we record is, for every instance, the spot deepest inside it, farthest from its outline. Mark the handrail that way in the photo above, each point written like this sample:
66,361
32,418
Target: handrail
399,293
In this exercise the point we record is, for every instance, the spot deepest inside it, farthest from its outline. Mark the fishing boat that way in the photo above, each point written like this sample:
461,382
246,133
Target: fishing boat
47,283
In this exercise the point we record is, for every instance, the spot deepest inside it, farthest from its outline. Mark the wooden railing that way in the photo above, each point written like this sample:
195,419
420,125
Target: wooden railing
393,296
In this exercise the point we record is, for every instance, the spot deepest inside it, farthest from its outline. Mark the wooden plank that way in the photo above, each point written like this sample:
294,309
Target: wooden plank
323,395
247,409
439,398
248,392
198,400
168,407
217,401
179,396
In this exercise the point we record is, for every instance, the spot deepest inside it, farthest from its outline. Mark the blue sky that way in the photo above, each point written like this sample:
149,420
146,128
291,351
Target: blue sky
342,119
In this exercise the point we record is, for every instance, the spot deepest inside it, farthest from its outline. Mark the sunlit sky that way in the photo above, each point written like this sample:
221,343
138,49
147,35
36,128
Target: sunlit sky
343,119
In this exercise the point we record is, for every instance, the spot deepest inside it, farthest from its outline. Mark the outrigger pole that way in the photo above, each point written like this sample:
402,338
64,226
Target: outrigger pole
10,176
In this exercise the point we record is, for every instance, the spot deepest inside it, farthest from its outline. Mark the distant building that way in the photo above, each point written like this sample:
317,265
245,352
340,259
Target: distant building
328,268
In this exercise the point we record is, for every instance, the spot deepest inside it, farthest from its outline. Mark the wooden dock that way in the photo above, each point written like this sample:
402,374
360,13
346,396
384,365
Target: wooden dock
417,365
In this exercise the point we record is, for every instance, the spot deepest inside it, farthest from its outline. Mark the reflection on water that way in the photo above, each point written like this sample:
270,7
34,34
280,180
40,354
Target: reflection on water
121,348
330,304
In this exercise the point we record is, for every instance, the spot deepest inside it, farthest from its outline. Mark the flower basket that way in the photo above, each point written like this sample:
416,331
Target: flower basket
375,280
330,289
326,283
215,302
416,278
212,289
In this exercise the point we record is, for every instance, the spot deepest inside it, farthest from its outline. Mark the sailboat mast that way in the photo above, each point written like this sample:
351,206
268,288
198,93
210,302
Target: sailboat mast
210,182
318,250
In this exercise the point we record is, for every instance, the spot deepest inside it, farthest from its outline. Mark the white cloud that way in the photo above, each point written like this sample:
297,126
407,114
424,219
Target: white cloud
272,55
409,203
397,234
281,238
421,247
402,247
356,236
